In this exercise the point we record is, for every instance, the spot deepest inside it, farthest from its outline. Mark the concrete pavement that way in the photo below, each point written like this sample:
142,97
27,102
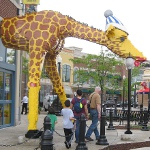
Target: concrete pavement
9,136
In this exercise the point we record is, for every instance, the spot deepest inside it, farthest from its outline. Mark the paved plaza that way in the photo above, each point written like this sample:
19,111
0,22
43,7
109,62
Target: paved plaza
9,136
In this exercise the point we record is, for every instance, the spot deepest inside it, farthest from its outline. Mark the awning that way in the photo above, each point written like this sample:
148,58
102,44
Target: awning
144,91
87,90
68,90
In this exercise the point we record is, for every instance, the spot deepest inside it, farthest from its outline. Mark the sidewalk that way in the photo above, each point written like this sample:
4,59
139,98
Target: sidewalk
10,136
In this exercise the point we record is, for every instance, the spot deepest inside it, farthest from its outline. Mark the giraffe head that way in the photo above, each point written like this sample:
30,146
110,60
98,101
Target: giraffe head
117,33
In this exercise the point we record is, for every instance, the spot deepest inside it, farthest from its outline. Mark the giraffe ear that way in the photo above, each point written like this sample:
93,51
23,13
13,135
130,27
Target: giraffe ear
110,31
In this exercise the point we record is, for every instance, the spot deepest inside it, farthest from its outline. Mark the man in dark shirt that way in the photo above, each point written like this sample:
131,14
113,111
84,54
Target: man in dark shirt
77,115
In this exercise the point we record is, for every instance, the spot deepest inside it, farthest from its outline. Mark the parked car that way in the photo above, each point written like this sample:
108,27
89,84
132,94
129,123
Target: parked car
48,100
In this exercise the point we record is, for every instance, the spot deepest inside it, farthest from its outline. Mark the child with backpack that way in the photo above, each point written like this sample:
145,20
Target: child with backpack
79,106
68,119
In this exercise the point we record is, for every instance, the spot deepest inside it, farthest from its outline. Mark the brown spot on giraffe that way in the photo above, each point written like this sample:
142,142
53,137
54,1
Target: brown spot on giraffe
6,24
43,27
38,56
12,29
31,62
39,42
39,18
34,26
38,63
89,35
36,34
37,75
95,33
50,14
32,55
33,70
86,30
46,20
52,28
82,30
62,28
69,26
53,40
55,19
60,15
62,22
30,18
28,34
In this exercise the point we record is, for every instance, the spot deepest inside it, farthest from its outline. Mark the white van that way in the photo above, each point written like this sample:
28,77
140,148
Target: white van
48,100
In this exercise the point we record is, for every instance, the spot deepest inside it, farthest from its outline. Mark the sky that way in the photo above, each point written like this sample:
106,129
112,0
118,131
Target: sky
133,14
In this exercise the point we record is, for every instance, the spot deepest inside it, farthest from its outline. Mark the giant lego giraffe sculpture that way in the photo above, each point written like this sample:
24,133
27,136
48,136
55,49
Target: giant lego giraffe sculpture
42,35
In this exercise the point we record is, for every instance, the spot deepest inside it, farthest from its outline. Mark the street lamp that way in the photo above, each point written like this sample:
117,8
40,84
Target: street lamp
134,96
124,77
129,65
59,60
149,99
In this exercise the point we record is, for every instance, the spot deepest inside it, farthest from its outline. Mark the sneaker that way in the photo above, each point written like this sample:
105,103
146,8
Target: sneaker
76,142
89,139
67,144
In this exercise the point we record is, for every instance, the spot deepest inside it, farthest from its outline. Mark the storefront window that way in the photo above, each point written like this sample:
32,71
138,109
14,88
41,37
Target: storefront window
75,77
2,52
7,116
10,56
1,85
7,93
66,73
1,115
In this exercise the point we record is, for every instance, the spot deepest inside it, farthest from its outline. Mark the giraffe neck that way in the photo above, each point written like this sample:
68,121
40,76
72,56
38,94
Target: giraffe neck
83,31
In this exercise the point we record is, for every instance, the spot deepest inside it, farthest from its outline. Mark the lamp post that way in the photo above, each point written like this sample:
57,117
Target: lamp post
149,99
129,65
142,100
59,60
134,96
102,139
124,77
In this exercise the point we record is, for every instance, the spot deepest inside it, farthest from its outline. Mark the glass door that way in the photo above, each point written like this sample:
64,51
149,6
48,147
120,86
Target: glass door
5,97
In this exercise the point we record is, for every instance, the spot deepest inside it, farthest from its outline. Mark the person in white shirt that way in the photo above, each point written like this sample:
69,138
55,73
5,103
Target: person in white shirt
68,119
25,104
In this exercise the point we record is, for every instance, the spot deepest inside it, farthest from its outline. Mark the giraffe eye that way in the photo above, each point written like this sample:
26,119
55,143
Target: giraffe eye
122,39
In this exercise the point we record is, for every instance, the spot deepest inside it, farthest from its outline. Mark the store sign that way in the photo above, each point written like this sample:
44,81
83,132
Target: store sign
31,2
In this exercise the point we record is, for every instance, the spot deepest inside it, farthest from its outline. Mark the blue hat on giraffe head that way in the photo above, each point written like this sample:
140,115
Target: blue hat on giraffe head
111,20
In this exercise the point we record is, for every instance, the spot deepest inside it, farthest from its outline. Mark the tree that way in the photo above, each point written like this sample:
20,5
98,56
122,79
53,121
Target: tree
11,56
99,68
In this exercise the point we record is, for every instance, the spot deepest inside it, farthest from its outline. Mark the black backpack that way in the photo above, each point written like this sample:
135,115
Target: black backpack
78,106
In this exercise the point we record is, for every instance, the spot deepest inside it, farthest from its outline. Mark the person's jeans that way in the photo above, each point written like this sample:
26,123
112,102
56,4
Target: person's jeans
93,126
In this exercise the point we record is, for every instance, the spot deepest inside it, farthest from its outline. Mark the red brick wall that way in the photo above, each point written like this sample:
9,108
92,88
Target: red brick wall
7,9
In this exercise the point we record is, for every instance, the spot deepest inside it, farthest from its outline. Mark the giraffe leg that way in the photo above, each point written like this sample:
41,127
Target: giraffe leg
51,69
36,58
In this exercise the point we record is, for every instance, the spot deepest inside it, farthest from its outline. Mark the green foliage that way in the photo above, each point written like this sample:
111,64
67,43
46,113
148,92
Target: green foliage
11,56
25,62
98,67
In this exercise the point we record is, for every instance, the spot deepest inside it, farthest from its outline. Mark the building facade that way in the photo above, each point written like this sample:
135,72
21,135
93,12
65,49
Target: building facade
10,65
